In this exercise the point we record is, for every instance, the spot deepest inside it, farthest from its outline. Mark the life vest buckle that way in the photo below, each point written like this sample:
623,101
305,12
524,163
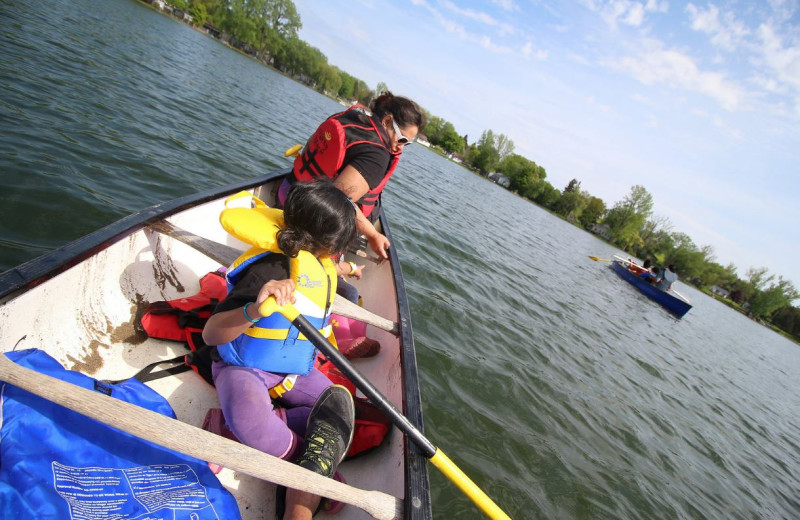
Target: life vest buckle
284,386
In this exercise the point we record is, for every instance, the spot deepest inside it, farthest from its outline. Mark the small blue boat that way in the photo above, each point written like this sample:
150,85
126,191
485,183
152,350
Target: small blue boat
670,300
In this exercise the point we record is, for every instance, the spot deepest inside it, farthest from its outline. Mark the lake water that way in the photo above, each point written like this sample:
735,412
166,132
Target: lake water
561,390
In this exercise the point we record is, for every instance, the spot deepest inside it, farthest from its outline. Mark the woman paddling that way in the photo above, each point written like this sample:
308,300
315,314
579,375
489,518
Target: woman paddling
359,149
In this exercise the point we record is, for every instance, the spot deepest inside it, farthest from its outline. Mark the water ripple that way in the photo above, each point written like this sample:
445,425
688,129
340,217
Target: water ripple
560,389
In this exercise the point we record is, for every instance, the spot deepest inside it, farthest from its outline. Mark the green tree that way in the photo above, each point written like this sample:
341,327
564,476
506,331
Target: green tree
434,129
788,319
329,80
199,13
347,85
450,140
571,202
280,16
485,157
524,174
770,294
593,211
361,92
504,146
381,88
628,216
547,195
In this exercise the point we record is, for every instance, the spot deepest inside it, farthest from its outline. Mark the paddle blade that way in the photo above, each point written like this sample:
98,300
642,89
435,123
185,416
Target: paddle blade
293,151
599,259
467,486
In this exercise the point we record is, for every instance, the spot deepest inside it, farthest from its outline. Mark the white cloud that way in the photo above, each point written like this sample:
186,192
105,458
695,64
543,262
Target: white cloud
506,5
657,66
657,7
479,16
529,52
626,12
726,32
784,62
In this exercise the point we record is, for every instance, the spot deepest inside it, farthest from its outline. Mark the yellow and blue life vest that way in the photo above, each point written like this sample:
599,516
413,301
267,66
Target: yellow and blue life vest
273,344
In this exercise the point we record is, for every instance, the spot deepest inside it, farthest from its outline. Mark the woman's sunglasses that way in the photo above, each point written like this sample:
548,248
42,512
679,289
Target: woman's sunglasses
401,139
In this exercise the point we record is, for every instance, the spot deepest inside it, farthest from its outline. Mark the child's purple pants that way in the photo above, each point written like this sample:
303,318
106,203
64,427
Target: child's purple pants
249,413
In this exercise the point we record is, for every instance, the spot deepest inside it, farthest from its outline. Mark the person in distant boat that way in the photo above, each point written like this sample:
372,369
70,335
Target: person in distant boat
667,278
359,149
261,358
647,274
634,267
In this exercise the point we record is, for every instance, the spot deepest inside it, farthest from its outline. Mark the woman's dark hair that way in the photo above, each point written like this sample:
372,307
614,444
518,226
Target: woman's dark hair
405,112
319,218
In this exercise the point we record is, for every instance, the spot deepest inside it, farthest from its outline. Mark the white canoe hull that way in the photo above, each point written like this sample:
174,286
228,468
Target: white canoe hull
86,316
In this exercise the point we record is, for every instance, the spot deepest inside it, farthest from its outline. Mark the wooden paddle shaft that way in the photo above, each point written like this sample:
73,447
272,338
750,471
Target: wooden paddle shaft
348,309
225,255
195,442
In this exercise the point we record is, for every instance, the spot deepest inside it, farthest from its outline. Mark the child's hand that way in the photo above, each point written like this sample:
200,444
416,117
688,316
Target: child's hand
282,290
357,271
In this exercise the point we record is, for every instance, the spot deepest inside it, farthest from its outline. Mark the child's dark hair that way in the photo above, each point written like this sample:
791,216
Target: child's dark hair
319,218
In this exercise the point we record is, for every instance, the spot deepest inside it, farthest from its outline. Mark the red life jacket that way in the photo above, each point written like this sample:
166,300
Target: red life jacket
324,152
372,424
183,320
175,318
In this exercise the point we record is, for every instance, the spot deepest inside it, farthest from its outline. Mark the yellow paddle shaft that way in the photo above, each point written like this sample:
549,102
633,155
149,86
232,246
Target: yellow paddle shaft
439,459
467,486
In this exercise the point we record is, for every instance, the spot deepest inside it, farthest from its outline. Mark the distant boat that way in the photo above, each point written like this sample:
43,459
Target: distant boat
671,300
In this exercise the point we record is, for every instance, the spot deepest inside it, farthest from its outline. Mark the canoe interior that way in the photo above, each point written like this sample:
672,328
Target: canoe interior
87,317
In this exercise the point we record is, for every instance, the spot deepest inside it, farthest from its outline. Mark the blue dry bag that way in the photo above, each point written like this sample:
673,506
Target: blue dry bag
57,464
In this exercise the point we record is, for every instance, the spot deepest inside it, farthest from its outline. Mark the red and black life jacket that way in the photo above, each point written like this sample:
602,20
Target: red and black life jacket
183,319
324,152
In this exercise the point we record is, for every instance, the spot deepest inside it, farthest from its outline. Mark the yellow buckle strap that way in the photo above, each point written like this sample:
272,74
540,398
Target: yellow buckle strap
284,386
258,332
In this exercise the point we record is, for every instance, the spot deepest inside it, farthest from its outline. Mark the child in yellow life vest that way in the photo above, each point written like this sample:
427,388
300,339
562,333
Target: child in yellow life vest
265,358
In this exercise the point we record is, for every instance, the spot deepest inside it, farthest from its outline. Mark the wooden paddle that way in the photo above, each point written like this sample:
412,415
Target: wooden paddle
194,442
599,259
225,255
436,456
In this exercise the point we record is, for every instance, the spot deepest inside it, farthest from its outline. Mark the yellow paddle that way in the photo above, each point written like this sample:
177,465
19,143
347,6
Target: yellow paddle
600,259
293,151
436,456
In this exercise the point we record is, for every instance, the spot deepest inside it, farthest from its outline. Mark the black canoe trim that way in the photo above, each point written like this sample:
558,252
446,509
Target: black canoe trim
52,263
418,488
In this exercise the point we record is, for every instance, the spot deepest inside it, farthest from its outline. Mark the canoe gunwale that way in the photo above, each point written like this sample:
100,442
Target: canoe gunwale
50,264
418,498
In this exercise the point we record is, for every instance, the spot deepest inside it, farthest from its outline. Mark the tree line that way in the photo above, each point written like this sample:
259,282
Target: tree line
268,30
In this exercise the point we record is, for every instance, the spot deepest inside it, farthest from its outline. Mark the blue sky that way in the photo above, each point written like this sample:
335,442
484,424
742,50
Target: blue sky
697,102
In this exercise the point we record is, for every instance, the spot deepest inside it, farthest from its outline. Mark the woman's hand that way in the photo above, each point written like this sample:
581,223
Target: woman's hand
379,243
282,290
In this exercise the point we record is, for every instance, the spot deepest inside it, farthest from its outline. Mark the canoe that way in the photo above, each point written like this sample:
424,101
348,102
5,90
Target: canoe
82,302
670,300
